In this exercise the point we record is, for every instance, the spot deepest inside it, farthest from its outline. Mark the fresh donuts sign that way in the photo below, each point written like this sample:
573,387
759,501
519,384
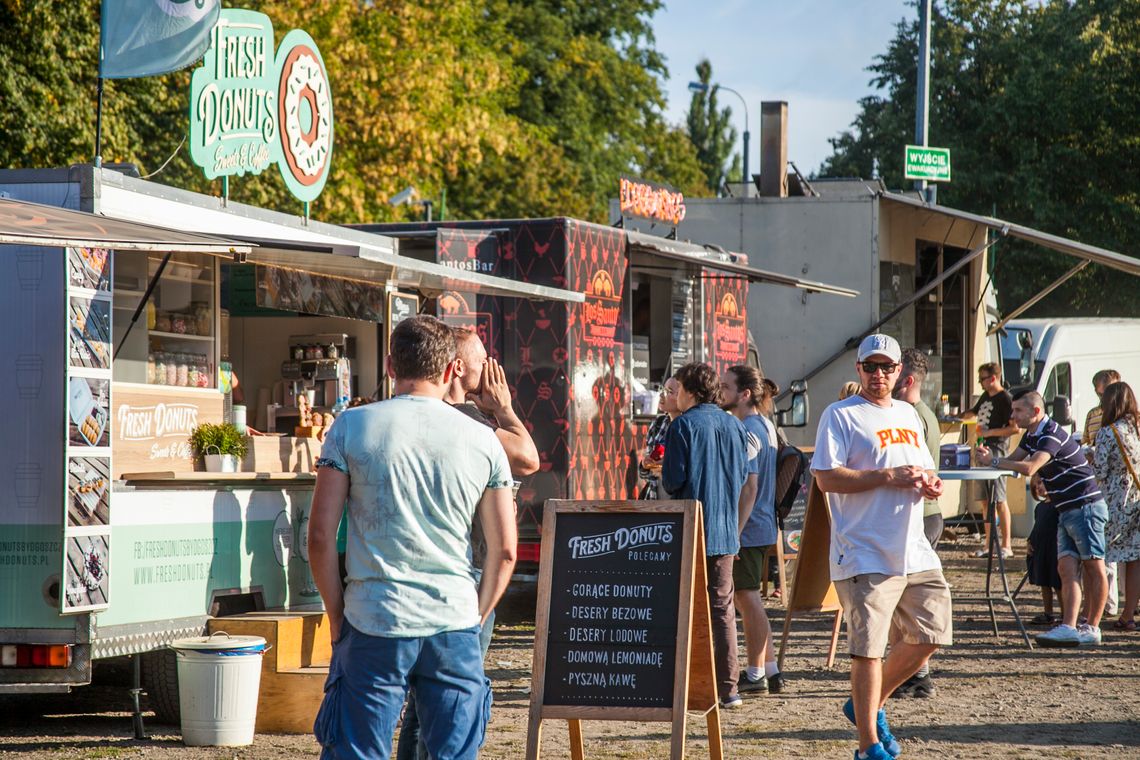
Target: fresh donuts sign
251,108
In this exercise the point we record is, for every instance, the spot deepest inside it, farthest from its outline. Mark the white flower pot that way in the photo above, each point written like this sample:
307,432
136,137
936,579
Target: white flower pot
220,462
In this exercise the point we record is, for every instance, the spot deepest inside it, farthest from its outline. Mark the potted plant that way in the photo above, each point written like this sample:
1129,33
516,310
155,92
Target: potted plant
220,446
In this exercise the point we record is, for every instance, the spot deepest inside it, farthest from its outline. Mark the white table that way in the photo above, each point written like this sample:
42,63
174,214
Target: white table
989,475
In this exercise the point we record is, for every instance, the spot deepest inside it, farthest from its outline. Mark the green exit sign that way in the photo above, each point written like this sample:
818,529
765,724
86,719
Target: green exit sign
931,164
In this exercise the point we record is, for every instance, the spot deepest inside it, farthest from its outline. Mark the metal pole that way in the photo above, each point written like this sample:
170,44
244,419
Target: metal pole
99,125
746,178
922,104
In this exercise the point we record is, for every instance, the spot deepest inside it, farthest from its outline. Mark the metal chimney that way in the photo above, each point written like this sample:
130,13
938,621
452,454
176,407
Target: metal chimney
774,149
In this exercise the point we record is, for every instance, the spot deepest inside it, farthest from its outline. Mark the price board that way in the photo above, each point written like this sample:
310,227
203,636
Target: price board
622,630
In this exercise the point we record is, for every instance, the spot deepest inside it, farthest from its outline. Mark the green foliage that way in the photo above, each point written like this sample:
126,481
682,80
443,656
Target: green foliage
710,129
209,438
1036,101
516,108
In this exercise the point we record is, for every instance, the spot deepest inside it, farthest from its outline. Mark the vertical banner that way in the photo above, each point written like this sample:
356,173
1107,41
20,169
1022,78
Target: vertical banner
87,503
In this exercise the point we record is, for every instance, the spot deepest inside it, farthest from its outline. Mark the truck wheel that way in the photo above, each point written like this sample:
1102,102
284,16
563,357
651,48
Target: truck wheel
160,680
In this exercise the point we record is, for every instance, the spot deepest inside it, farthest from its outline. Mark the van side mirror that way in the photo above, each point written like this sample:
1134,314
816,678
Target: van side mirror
1060,410
796,415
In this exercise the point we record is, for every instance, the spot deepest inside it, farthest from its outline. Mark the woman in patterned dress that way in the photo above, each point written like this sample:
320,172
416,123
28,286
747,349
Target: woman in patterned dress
1117,463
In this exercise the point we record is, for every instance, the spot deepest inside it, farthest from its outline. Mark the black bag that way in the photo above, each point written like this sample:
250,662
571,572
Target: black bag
791,473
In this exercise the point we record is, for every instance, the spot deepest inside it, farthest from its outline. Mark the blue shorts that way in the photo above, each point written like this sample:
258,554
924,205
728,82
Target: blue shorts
1080,531
368,679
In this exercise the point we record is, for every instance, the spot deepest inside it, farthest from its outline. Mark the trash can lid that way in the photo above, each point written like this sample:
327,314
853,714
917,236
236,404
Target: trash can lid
220,641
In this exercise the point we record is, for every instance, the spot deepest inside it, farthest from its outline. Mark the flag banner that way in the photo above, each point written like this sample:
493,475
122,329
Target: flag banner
142,38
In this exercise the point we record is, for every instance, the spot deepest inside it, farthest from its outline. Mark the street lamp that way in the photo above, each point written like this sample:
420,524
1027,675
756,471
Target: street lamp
704,87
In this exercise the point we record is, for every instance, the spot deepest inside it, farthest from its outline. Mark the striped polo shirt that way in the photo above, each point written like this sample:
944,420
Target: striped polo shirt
1067,477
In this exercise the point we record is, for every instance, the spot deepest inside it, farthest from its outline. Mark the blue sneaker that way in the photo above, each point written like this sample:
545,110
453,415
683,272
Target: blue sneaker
886,738
874,752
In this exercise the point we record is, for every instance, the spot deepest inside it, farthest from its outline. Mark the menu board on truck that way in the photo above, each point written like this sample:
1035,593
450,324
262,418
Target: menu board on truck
87,498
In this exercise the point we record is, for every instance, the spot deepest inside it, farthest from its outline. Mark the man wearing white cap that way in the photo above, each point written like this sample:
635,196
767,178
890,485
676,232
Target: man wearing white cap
871,457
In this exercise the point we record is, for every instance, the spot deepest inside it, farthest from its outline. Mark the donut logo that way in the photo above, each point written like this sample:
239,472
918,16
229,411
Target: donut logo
602,285
728,307
304,111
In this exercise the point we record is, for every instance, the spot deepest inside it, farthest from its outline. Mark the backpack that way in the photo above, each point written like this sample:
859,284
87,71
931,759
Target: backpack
791,474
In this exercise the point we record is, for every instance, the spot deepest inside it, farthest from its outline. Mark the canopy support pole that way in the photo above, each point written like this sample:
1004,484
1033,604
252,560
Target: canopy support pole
1046,291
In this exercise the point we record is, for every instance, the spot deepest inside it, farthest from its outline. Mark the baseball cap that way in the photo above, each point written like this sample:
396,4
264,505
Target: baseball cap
880,344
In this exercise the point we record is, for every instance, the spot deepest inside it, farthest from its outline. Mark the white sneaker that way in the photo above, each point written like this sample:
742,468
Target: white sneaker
1061,636
982,553
1006,553
1088,635
732,702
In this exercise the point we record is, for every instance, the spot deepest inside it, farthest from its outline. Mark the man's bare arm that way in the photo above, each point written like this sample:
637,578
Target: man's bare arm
747,501
846,480
496,513
1015,462
329,497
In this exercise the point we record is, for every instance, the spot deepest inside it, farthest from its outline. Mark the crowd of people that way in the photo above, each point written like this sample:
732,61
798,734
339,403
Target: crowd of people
429,534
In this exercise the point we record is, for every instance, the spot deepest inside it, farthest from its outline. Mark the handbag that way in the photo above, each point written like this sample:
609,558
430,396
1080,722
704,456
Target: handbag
1125,457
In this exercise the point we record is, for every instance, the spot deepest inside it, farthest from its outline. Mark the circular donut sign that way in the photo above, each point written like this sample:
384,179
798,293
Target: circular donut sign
250,108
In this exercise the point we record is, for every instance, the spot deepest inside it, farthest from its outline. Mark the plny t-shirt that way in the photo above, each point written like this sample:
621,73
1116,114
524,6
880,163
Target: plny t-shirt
876,531
417,469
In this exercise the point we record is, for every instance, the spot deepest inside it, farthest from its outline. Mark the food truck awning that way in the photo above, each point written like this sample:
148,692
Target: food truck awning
363,262
690,254
1064,245
24,223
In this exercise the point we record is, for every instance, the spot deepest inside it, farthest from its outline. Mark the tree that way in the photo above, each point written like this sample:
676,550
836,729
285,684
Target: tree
711,132
1035,101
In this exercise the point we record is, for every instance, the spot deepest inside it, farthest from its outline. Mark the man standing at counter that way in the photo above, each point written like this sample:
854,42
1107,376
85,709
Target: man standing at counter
706,458
871,457
411,612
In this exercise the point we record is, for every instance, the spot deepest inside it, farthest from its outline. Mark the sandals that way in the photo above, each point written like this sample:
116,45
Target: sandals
1043,619
1124,625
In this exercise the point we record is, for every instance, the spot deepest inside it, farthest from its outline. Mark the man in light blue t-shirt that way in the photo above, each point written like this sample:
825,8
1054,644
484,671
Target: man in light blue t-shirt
415,472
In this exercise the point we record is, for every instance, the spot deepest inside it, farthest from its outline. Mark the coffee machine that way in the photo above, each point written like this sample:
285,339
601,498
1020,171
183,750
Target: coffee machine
319,366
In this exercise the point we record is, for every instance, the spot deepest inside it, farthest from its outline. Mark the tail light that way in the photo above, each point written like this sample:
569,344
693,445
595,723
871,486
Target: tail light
35,656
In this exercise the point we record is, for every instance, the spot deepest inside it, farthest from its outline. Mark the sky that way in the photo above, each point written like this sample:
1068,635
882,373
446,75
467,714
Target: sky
811,53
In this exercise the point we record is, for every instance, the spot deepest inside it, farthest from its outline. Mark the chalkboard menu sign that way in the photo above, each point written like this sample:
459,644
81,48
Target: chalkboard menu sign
622,627
613,610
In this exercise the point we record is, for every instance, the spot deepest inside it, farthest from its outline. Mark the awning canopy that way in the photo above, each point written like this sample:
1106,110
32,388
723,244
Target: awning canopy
375,265
25,223
1064,245
691,254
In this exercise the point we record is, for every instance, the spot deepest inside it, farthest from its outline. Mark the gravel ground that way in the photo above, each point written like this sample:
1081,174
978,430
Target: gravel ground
994,699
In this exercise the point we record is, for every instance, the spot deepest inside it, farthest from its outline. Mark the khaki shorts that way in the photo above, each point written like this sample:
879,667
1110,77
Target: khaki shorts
913,608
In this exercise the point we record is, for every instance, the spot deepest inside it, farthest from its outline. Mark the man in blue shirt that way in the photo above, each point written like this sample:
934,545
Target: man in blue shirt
748,396
1081,515
414,472
706,458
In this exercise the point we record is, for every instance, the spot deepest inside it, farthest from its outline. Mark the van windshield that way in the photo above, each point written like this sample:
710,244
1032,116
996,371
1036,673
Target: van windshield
1017,364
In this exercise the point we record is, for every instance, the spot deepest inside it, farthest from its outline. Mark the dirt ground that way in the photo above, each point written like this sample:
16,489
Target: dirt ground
994,698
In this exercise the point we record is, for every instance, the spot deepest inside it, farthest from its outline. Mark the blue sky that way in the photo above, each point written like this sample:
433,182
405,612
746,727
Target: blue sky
811,53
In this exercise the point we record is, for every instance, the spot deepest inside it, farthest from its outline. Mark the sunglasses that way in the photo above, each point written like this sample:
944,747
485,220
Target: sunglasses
983,378
872,367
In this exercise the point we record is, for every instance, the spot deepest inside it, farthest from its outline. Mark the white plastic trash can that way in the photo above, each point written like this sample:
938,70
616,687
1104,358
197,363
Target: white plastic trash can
218,680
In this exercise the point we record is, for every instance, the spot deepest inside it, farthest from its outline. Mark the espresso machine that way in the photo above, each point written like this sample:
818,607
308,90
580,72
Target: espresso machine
319,366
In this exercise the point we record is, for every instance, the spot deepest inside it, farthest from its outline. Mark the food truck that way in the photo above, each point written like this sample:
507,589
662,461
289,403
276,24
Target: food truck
124,335
586,376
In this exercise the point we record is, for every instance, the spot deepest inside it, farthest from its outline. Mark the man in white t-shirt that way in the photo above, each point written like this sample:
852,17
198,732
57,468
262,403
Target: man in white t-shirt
871,457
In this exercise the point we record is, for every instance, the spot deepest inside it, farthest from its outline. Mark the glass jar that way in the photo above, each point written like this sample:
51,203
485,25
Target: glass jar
178,324
171,377
162,322
151,314
203,371
183,371
298,353
153,367
332,352
202,319
192,372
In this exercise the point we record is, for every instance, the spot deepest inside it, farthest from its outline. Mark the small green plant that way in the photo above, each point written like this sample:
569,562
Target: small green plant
209,438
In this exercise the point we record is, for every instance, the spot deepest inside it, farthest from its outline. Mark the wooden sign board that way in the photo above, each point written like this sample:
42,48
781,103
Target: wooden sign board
812,589
623,629
151,426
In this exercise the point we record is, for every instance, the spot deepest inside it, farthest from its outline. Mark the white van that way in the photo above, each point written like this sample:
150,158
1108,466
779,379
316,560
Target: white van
1058,357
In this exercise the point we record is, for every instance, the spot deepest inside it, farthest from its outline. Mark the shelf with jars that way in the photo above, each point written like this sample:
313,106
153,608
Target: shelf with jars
174,340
